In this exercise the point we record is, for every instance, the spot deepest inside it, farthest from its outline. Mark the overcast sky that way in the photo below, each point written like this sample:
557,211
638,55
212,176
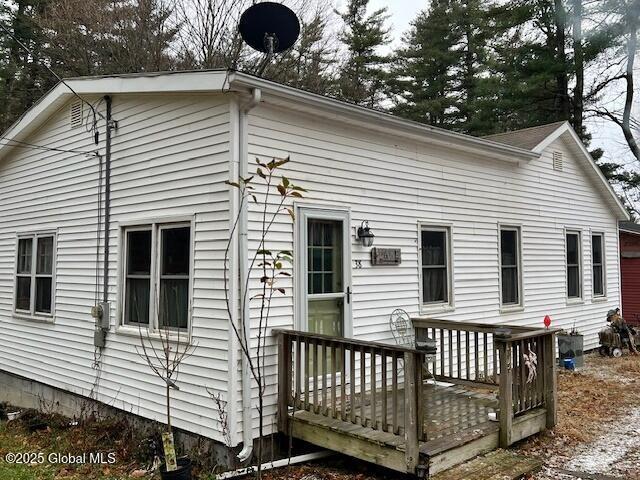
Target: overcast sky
605,134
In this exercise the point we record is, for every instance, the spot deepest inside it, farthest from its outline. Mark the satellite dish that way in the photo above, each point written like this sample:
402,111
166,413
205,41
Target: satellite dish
269,27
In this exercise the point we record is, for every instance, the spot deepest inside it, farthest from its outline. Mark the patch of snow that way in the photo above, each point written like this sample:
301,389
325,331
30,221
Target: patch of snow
619,441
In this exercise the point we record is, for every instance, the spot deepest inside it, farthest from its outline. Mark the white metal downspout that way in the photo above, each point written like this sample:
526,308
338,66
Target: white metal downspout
243,251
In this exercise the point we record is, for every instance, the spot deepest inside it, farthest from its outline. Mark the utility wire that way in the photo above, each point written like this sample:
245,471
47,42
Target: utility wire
60,79
21,144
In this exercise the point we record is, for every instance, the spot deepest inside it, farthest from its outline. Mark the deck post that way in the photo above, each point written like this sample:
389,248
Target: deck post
412,452
506,392
284,380
550,379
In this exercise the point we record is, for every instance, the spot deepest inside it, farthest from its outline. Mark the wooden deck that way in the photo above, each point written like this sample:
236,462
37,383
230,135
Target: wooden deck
372,401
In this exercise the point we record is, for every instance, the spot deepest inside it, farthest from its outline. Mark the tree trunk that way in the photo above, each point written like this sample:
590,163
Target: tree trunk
632,49
578,93
562,76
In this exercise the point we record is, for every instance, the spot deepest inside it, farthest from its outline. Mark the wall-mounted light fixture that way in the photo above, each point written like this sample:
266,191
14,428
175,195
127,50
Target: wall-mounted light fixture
365,235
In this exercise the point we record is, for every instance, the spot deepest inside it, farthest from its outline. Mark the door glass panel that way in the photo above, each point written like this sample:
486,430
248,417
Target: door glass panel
324,259
325,286
326,316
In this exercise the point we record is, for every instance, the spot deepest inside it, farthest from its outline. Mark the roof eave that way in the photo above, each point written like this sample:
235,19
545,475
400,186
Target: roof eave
162,82
486,148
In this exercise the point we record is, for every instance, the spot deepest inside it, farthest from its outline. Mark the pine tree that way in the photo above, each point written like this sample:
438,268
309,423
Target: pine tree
443,66
308,64
423,79
361,77
22,75
74,38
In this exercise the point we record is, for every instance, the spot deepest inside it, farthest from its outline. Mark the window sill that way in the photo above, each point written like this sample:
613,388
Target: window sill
130,331
599,299
436,308
34,318
512,309
575,301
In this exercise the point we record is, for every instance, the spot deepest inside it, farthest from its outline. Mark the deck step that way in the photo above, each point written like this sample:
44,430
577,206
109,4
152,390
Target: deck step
497,465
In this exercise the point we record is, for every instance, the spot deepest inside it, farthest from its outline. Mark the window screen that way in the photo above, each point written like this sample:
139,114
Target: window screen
574,275
597,259
510,265
435,275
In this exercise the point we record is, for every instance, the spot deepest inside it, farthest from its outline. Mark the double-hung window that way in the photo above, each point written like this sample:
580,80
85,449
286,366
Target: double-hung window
510,261
574,265
157,275
435,265
34,275
597,264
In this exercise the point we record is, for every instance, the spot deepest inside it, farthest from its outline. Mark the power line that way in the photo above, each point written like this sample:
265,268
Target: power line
21,144
60,79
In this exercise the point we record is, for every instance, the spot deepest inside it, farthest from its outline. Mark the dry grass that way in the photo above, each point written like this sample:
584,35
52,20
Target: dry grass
588,399
60,436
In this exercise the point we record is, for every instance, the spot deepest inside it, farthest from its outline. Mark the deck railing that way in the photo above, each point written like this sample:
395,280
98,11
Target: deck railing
518,361
380,386
527,379
466,354
369,384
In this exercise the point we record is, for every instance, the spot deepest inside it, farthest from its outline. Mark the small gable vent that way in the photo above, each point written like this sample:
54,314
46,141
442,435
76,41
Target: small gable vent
75,114
557,161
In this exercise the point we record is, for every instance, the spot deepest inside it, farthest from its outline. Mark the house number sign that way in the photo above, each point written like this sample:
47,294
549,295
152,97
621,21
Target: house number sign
385,256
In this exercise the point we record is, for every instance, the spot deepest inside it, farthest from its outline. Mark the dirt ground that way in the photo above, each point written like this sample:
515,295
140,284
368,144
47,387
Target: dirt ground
598,432
598,429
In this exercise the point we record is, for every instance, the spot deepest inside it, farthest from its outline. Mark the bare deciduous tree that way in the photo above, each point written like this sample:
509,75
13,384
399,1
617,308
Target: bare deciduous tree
164,351
627,20
271,266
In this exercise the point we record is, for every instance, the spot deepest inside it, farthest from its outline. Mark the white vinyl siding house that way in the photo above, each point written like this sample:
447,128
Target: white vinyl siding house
405,188
443,199
170,161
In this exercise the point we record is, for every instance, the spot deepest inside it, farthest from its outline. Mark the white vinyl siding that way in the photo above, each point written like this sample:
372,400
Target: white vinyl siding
170,159
399,184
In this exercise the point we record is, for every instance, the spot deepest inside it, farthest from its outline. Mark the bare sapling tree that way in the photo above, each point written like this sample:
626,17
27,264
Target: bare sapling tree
271,194
164,350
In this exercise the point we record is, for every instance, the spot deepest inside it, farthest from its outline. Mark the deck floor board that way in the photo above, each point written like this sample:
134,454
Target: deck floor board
452,414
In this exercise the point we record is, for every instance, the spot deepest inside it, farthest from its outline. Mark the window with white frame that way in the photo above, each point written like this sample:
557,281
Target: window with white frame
435,265
510,261
157,275
574,265
597,264
34,274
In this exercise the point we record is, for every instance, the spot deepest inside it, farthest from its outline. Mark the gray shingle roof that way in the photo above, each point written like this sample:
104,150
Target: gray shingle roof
630,227
527,138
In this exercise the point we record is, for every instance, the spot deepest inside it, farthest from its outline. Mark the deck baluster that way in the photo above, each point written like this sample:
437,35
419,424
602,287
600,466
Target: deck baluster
467,352
363,386
307,374
352,381
476,354
394,392
334,368
384,390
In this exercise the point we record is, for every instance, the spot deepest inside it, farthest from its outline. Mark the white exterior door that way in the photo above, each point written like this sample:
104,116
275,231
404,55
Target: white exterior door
324,282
